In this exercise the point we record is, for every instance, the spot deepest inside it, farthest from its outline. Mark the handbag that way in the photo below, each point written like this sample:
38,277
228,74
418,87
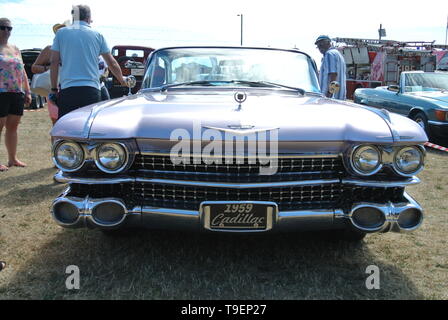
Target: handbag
41,84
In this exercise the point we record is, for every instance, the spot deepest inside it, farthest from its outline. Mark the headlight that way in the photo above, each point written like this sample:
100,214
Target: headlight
68,156
408,160
366,160
111,157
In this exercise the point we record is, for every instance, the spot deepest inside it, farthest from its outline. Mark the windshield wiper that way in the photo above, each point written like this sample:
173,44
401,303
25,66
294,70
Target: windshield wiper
188,83
270,84
247,82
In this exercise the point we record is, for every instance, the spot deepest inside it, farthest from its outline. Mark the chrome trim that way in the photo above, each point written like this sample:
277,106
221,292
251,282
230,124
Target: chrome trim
271,216
79,203
238,185
399,208
392,212
352,163
97,202
322,155
300,219
101,166
423,157
61,177
364,183
437,123
384,209
60,142
85,207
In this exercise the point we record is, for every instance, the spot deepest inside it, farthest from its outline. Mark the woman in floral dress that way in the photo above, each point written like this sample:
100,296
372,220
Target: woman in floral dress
14,92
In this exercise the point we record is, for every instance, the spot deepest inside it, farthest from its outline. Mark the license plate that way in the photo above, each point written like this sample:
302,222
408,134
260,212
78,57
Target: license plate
238,215
137,72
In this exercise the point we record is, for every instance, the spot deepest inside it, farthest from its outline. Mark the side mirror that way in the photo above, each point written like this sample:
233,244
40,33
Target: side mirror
393,88
334,87
131,81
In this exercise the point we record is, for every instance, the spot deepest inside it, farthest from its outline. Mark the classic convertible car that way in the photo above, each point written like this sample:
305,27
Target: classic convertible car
421,96
229,139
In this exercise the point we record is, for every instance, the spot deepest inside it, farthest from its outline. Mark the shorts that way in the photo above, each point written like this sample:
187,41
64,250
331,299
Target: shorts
73,98
11,103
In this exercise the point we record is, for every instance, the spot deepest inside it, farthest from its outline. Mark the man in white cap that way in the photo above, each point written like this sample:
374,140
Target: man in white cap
332,68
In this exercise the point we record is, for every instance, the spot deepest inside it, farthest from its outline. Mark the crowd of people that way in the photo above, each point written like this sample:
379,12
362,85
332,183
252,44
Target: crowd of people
78,60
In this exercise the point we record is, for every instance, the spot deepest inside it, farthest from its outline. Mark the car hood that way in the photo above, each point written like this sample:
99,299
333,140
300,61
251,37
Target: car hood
432,95
295,118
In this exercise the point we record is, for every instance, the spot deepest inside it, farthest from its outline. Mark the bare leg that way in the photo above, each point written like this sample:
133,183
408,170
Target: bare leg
12,122
2,124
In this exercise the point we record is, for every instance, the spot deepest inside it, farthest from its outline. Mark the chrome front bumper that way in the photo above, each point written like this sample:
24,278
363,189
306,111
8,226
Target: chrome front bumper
164,218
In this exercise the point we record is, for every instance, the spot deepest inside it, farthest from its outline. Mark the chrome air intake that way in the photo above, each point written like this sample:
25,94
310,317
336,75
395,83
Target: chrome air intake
109,213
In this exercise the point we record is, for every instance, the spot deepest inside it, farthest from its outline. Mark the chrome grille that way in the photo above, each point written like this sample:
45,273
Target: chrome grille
326,196
190,197
244,170
237,166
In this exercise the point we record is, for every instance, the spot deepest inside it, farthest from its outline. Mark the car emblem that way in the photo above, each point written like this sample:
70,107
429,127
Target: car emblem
240,97
240,126
241,129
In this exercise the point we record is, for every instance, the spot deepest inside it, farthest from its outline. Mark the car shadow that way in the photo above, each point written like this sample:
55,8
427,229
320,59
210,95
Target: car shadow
179,265
21,194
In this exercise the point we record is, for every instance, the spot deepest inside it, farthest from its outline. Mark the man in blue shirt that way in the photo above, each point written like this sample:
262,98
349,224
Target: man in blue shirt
74,60
332,69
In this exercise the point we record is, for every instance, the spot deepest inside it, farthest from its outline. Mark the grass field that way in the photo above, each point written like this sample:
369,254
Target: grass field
175,265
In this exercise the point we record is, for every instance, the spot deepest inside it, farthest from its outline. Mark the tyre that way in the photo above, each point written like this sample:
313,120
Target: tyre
34,103
422,121
41,102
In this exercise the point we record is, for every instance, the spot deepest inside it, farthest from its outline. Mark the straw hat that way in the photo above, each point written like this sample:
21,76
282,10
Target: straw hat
58,26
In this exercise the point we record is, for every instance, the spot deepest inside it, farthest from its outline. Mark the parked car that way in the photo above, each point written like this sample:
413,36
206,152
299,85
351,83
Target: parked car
29,56
421,96
132,60
235,139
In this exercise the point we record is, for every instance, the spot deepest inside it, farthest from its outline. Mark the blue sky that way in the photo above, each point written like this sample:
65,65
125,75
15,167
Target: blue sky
280,23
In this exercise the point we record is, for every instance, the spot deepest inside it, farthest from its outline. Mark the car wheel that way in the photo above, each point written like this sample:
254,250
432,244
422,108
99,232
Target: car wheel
34,103
422,121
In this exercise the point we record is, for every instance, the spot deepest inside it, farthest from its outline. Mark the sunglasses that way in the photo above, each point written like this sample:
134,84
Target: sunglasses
5,28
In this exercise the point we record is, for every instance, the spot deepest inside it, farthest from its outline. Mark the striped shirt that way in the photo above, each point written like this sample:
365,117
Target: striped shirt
333,62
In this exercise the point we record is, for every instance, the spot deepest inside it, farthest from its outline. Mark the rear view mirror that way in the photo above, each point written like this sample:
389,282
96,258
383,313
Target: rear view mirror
393,88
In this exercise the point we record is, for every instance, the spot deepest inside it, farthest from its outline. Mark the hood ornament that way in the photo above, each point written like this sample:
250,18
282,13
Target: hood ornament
240,97
241,129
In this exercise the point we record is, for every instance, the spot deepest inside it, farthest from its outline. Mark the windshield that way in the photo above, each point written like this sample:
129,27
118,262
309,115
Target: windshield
426,82
231,67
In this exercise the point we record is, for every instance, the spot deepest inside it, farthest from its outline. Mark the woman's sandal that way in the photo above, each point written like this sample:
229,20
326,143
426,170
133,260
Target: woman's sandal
3,168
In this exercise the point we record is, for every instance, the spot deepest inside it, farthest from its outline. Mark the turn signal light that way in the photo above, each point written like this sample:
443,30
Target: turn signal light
441,115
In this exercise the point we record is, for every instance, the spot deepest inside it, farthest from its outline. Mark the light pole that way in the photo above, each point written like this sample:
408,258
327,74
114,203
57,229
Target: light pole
241,15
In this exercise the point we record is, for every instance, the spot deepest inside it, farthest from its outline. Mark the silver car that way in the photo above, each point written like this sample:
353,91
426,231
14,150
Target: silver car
236,139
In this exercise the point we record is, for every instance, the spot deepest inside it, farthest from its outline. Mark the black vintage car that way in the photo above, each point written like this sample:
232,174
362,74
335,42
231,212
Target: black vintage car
29,56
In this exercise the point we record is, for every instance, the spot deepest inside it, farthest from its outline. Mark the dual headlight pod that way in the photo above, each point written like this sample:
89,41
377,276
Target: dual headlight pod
70,156
408,160
367,160
111,157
